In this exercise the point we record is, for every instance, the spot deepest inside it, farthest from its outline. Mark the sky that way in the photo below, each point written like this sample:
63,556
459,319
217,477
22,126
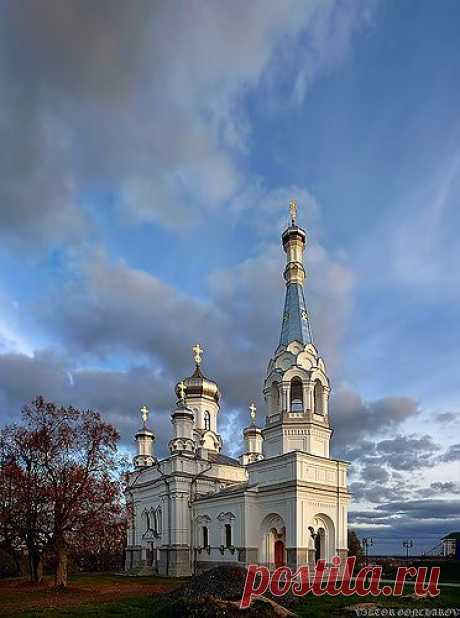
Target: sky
148,155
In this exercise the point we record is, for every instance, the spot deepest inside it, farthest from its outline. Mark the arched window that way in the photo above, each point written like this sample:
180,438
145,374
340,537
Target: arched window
275,397
318,398
148,521
205,532
207,421
228,535
296,395
159,521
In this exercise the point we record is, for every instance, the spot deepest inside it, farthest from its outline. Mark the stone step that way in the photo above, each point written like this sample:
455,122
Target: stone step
141,571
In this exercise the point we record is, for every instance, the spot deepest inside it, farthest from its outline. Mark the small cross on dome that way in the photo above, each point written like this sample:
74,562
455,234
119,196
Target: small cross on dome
145,414
293,211
181,389
197,352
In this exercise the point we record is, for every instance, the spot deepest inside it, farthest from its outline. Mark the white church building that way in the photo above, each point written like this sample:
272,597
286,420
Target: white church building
284,502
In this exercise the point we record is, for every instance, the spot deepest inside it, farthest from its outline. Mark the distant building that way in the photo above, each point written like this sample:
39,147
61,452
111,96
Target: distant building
451,545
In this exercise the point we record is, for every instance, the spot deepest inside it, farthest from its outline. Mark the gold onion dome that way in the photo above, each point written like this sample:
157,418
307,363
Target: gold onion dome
197,385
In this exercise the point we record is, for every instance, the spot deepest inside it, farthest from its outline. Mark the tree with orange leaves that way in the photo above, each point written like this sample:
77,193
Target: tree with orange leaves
66,469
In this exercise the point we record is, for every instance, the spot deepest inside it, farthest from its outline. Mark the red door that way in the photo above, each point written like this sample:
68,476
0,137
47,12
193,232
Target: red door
279,553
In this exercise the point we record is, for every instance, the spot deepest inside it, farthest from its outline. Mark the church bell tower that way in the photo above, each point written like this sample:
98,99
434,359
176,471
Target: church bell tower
296,388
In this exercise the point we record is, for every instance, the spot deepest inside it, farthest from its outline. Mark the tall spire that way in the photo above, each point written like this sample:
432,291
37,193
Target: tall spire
296,322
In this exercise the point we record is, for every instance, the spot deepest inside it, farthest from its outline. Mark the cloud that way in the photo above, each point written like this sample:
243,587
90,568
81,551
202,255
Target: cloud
109,312
386,470
452,453
447,417
354,419
117,394
144,102
374,472
109,308
408,452
423,509
392,522
23,377
376,492
441,487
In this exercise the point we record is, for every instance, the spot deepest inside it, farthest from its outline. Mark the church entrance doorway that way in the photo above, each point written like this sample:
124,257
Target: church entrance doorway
279,554
321,535
272,541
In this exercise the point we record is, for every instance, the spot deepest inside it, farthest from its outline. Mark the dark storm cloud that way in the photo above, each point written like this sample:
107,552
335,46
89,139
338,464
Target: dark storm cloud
425,522
440,487
423,509
379,492
408,452
354,419
375,472
401,453
22,378
367,516
388,535
117,394
379,469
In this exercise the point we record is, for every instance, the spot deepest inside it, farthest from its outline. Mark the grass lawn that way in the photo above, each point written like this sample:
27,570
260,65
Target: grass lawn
323,607
104,595
20,597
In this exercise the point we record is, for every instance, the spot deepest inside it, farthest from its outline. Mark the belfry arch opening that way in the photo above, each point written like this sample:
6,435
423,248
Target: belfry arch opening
318,398
296,395
275,397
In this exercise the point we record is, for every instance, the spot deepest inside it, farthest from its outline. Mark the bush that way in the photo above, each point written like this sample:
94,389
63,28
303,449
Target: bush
8,566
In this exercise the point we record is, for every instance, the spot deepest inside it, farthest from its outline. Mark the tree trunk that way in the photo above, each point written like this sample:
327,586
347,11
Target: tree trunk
61,567
38,568
17,564
35,565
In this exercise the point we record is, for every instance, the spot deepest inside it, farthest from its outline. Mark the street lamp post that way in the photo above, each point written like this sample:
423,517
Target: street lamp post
408,544
367,542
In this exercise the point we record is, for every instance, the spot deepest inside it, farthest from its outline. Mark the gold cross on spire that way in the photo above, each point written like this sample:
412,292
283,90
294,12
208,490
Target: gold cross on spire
197,352
145,414
252,412
181,389
293,211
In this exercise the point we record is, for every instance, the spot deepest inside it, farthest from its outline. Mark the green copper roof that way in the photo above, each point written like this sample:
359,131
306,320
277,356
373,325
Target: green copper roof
296,325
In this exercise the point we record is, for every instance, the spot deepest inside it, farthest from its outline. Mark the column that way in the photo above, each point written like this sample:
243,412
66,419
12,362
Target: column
285,387
326,391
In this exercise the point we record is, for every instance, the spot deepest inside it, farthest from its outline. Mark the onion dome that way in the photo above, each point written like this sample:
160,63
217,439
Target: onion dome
197,386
